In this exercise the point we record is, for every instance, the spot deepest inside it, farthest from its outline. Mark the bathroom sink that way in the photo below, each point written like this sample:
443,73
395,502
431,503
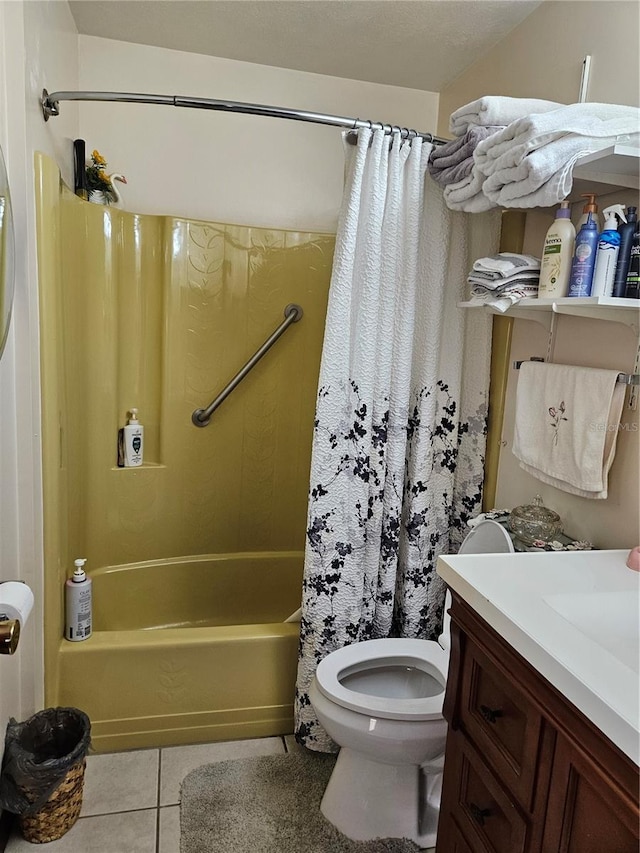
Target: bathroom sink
610,619
574,616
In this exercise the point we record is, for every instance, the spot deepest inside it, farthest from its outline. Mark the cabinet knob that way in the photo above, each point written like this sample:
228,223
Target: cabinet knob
490,714
479,814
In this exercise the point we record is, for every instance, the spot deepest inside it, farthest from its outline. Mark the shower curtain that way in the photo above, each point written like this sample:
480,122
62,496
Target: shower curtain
399,435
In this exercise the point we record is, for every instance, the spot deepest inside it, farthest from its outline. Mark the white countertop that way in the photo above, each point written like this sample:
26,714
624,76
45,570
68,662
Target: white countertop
591,654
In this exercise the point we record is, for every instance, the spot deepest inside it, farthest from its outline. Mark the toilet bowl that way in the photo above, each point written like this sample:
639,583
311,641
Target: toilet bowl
381,702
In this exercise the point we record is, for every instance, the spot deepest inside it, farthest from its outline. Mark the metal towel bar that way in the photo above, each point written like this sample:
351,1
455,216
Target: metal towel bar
624,378
202,417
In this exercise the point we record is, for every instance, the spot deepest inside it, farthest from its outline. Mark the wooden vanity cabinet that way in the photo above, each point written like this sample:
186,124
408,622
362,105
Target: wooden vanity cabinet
525,770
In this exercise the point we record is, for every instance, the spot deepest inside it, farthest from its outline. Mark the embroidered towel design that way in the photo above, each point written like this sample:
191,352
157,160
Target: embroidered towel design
566,425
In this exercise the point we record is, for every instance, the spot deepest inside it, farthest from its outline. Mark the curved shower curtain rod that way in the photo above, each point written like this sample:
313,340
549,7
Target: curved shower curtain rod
50,107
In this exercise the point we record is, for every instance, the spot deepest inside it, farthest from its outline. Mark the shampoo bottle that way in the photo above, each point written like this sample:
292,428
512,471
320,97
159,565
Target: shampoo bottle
627,230
633,276
584,259
77,599
590,208
608,248
133,441
556,257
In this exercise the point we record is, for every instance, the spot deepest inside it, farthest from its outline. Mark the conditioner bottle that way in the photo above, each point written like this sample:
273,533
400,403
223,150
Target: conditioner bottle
584,258
590,207
556,257
78,604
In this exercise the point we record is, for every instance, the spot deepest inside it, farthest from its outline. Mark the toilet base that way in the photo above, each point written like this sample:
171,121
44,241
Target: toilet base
366,799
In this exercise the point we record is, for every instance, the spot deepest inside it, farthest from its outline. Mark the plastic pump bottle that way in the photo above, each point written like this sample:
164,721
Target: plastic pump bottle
608,248
556,257
590,208
133,441
77,596
584,259
626,232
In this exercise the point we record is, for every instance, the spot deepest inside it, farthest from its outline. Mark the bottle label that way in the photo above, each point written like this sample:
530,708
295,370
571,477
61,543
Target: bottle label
553,249
583,251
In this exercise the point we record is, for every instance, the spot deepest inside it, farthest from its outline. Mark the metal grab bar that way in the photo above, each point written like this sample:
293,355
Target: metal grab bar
202,417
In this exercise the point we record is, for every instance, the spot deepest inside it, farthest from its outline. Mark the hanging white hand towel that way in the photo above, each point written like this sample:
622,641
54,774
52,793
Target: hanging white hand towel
566,425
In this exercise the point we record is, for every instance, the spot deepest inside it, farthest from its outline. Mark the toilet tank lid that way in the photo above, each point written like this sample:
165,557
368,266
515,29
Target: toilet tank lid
487,537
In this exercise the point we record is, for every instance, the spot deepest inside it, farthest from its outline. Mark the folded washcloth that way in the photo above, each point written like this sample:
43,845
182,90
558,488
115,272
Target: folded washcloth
467,194
504,298
566,425
495,110
530,163
453,161
481,285
505,264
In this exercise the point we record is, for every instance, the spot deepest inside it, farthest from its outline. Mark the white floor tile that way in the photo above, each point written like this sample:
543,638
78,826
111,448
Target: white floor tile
119,782
169,829
177,761
133,832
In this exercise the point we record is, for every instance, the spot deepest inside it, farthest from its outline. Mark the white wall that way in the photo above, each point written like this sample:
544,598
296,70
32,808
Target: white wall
38,41
221,166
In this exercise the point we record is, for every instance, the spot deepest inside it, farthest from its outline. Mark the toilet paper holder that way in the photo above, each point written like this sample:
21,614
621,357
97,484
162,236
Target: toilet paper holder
11,614
9,635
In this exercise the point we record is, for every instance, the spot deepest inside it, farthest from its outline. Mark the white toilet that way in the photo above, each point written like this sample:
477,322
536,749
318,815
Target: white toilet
381,701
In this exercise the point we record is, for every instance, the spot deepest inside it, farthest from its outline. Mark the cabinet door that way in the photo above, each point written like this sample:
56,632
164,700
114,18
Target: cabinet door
587,813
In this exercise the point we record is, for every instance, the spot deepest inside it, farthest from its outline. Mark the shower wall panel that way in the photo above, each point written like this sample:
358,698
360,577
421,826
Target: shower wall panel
159,313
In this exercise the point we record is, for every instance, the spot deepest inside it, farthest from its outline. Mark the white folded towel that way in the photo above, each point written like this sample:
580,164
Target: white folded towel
505,264
566,425
495,110
508,147
530,163
467,194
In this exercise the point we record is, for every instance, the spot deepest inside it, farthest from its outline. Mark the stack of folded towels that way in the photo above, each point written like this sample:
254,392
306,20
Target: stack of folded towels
452,165
502,280
523,150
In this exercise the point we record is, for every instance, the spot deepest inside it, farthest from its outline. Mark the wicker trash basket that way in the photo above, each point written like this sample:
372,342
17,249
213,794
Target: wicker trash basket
60,812
42,777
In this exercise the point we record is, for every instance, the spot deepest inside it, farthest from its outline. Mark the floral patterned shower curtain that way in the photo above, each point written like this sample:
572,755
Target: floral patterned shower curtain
399,435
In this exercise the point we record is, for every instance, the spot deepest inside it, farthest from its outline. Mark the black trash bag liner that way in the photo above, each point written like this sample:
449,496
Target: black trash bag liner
38,753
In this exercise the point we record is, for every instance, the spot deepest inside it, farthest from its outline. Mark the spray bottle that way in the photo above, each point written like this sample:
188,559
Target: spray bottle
608,248
77,596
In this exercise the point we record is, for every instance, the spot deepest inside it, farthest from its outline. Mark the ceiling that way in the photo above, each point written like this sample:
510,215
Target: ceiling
420,44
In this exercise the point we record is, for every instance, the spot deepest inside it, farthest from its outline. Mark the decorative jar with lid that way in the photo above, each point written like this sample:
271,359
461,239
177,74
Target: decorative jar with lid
534,521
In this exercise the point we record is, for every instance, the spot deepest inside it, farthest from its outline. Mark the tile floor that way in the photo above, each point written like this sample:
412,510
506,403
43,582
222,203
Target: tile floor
131,799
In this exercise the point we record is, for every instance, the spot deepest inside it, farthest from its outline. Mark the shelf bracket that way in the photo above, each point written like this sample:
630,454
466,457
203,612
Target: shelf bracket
613,315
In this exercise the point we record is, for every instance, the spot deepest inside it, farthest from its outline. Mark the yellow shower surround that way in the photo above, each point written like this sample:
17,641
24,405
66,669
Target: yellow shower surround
158,313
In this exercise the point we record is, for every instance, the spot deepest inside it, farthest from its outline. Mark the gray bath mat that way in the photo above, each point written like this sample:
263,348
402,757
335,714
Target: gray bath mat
269,804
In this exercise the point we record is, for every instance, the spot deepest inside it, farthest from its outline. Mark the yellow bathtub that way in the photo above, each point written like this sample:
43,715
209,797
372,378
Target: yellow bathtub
187,650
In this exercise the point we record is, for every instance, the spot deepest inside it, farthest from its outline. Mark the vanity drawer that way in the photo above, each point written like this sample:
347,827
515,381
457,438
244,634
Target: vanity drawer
502,723
481,812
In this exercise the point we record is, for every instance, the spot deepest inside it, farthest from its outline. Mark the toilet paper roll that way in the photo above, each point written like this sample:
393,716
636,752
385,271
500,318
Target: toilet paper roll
16,601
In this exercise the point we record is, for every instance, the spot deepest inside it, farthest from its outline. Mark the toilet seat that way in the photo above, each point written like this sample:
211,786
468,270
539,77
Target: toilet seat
424,655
